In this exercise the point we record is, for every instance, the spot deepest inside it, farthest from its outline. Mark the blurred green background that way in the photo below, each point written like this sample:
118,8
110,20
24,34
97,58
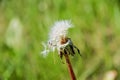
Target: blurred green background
25,25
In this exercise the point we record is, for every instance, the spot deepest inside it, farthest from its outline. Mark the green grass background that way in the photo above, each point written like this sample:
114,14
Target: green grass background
96,33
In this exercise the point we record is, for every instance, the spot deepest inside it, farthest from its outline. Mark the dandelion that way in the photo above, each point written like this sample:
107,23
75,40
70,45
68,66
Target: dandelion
58,31
58,40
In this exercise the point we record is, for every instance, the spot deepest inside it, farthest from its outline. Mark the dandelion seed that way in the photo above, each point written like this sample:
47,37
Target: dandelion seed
46,51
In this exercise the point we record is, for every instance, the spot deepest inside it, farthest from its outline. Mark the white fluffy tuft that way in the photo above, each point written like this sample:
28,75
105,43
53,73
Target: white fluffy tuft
59,29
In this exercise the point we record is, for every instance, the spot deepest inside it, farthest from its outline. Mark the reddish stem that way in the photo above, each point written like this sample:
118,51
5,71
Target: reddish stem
72,75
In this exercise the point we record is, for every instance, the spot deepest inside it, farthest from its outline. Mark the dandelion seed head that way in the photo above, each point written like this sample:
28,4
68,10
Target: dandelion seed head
57,34
59,30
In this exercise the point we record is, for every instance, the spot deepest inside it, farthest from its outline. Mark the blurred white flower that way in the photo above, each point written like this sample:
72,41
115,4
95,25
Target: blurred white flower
59,30
110,75
14,33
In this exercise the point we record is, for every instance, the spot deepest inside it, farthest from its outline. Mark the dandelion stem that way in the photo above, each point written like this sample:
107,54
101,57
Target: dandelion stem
72,75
